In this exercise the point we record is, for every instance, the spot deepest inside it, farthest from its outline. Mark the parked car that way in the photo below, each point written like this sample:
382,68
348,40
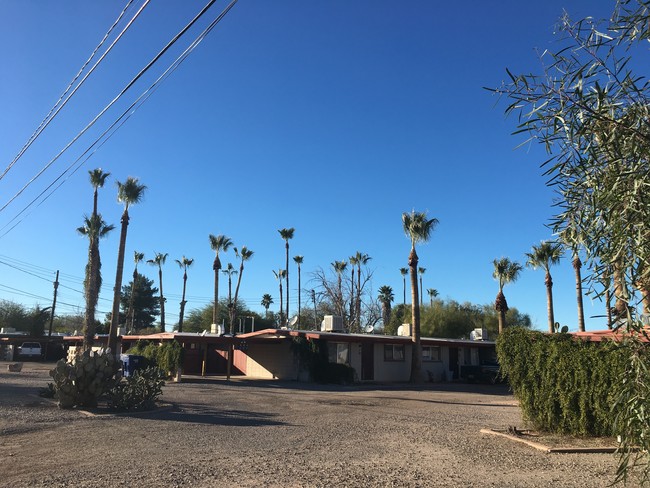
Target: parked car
30,350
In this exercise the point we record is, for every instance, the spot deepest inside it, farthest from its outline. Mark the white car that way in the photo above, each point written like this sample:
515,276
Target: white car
31,350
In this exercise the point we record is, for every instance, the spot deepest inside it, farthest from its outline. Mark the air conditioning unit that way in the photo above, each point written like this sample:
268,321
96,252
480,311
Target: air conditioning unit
332,323
404,330
216,329
479,335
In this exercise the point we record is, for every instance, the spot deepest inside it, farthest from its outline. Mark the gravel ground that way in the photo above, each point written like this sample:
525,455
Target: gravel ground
280,434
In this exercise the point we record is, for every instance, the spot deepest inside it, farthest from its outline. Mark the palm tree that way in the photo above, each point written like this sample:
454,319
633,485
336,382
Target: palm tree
432,294
129,193
298,260
217,243
359,259
183,263
244,255
287,234
404,272
137,258
418,229
94,228
158,260
279,275
230,271
544,256
267,300
339,268
385,298
421,271
505,271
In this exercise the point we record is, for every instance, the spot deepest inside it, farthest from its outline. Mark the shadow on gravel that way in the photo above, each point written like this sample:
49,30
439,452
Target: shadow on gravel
200,414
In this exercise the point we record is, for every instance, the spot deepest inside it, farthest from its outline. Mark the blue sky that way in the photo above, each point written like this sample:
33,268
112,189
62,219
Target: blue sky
330,117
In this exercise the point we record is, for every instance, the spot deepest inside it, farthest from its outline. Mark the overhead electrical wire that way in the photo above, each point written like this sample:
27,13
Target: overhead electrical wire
59,103
122,118
120,94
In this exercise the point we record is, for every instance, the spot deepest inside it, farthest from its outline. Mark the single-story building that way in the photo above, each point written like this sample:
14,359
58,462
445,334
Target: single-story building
269,354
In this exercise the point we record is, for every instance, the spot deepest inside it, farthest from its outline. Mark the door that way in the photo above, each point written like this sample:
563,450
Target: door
453,362
367,361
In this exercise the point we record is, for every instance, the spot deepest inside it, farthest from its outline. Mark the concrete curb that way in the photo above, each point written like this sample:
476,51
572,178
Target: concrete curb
556,450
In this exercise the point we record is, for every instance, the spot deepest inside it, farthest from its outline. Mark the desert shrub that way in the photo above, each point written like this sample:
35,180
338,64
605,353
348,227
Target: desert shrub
563,384
137,392
82,381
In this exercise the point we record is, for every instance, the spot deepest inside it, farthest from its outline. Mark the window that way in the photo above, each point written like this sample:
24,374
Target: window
431,353
338,352
393,352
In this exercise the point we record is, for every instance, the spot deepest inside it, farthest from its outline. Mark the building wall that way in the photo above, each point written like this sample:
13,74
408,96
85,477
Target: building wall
392,370
271,361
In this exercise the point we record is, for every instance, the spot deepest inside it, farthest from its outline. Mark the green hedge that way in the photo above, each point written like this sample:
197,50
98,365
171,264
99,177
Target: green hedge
563,384
167,356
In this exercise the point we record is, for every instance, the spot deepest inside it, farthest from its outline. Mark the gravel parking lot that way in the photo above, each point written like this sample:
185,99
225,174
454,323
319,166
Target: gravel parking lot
279,434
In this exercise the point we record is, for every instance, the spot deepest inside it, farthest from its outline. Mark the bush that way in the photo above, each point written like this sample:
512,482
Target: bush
85,379
313,355
137,392
168,356
564,385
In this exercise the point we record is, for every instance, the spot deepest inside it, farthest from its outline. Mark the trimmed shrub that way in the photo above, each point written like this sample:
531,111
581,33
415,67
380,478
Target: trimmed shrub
564,385
313,354
168,356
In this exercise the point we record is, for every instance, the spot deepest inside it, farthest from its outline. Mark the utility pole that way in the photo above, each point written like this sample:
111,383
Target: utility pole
56,287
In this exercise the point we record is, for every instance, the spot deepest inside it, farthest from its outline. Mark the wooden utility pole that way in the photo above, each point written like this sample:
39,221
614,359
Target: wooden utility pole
56,287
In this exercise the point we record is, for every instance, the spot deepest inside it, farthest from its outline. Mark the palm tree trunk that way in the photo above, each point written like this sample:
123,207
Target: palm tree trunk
287,272
180,319
577,265
299,296
162,301
416,353
549,302
281,309
608,304
358,306
351,321
216,266
115,318
92,294
501,306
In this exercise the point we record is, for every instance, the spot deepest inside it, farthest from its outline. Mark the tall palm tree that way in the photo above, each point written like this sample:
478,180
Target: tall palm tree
217,243
404,272
244,255
158,260
418,228
339,269
279,275
421,271
505,271
137,258
129,193
544,256
385,298
287,234
360,259
94,228
267,301
432,294
298,260
183,263
570,237
230,271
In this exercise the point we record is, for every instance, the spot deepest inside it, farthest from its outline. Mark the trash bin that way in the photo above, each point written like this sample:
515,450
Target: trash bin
131,363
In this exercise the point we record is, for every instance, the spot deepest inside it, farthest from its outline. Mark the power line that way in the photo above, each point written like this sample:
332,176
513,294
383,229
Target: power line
117,124
112,102
59,104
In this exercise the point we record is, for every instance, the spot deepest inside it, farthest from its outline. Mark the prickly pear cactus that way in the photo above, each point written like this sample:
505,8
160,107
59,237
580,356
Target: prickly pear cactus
82,381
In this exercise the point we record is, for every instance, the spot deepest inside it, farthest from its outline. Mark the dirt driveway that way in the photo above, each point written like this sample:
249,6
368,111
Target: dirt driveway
261,433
